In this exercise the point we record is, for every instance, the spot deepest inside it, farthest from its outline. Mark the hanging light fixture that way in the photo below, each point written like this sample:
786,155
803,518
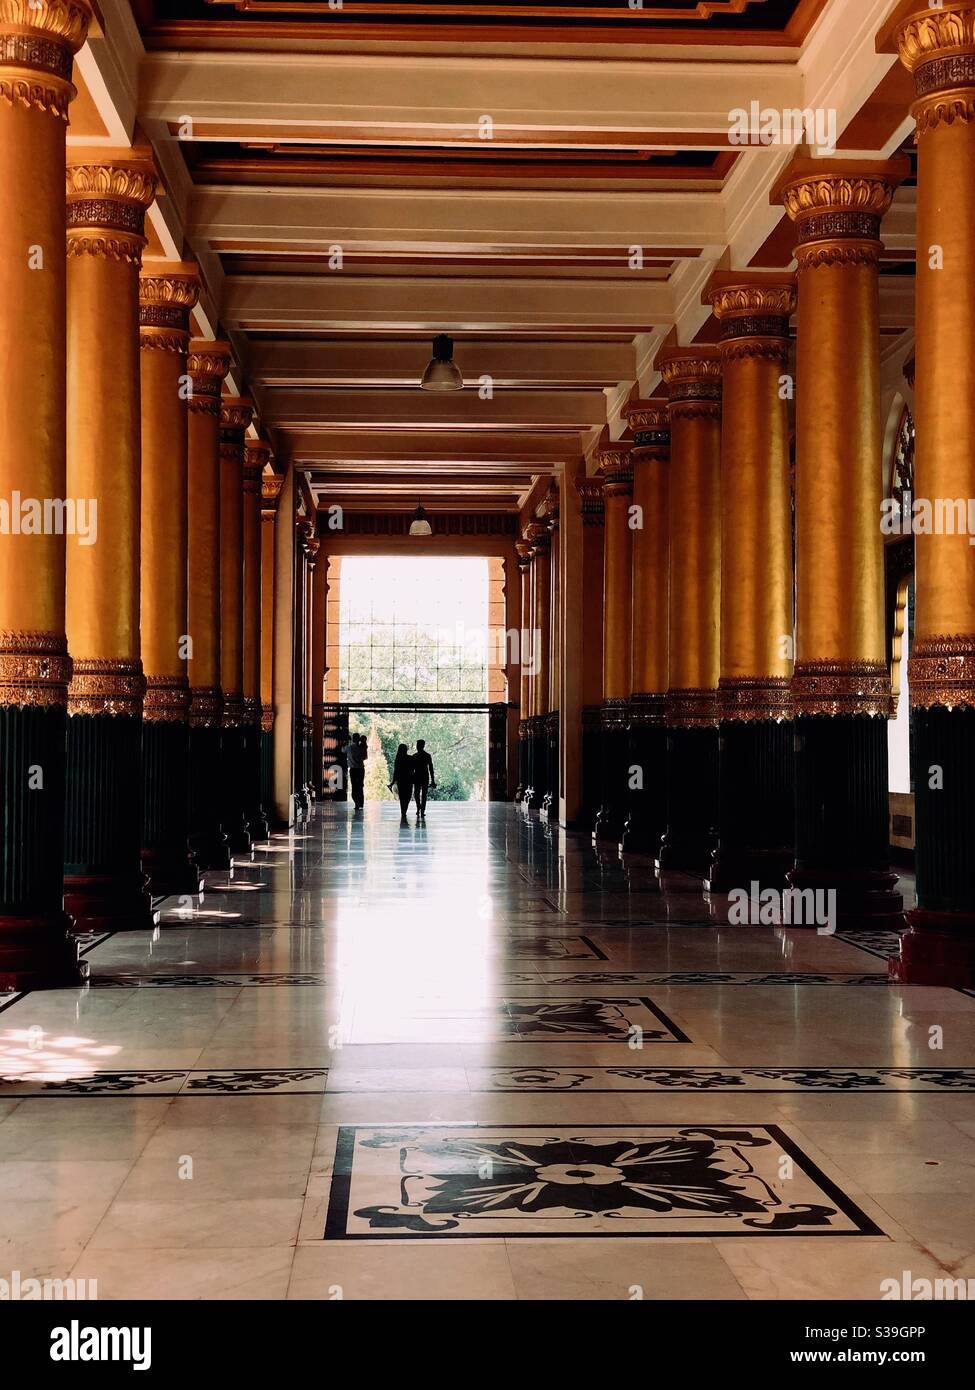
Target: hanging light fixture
419,526
442,373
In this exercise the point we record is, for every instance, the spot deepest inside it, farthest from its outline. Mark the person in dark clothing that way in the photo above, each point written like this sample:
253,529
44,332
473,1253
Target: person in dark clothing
403,780
356,753
423,777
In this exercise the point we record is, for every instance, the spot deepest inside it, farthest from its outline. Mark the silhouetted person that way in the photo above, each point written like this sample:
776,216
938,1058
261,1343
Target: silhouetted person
356,754
423,777
403,780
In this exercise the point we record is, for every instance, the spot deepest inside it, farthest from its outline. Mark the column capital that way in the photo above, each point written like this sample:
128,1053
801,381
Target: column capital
937,46
837,206
38,41
649,422
548,510
236,414
168,291
524,553
256,456
538,537
271,485
615,466
593,507
207,364
692,381
108,192
753,308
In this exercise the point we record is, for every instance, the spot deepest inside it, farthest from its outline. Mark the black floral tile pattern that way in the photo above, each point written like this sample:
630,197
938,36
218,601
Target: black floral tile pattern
603,1180
587,1020
766,1080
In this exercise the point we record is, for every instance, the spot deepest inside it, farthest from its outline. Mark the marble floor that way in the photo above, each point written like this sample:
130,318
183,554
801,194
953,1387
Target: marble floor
470,1060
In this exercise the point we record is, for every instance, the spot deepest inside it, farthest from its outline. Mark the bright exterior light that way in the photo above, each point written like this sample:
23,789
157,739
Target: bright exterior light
442,373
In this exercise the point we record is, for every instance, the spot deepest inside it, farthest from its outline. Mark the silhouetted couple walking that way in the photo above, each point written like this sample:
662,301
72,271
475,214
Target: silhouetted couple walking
413,776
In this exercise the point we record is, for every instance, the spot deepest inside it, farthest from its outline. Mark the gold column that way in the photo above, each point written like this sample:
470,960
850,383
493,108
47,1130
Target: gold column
270,492
207,365
649,422
841,686
593,516
108,193
167,293
692,380
524,552
937,45
756,753
37,43
616,471
256,458
236,413
319,619
540,542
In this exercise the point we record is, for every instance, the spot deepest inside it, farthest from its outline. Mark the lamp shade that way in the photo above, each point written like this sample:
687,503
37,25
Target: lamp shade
419,526
442,373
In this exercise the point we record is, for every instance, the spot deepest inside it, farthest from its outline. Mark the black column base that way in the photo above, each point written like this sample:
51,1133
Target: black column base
104,886
166,857
233,771
939,947
36,949
257,824
39,953
756,790
842,819
692,801
614,741
207,840
646,820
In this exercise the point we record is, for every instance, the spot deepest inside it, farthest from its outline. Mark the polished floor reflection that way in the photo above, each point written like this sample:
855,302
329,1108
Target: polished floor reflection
471,1060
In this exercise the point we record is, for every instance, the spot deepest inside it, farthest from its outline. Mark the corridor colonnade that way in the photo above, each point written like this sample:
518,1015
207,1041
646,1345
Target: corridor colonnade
133,716
742,735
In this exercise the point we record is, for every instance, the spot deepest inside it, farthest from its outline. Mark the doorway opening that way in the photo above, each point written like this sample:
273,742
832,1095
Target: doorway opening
410,655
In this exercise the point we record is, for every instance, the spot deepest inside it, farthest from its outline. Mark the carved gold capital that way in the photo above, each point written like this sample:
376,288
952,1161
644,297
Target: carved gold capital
835,687
206,707
271,485
750,699
837,207
167,700
650,424
754,311
236,414
615,467
106,687
690,374
207,363
538,537
108,192
35,668
168,290
936,43
691,709
524,552
256,456
593,507
941,671
38,39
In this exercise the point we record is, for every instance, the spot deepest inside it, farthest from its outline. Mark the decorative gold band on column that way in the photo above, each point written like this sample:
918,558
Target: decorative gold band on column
106,687
167,700
108,194
593,507
754,319
236,414
251,710
837,212
38,40
256,457
648,711
747,699
206,707
834,687
616,470
691,709
267,718
271,484
614,714
650,425
207,364
35,668
941,672
165,301
234,710
936,43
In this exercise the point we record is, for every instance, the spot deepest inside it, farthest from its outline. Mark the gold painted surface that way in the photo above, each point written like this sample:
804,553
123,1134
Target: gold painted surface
542,606
268,523
164,487
524,570
256,455
616,470
650,647
235,415
207,365
103,405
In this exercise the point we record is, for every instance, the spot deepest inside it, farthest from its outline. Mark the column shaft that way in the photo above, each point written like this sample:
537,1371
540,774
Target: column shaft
540,541
319,620
526,657
650,647
256,458
616,470
207,365
167,292
108,194
235,417
841,686
36,49
590,490
270,491
692,379
756,752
